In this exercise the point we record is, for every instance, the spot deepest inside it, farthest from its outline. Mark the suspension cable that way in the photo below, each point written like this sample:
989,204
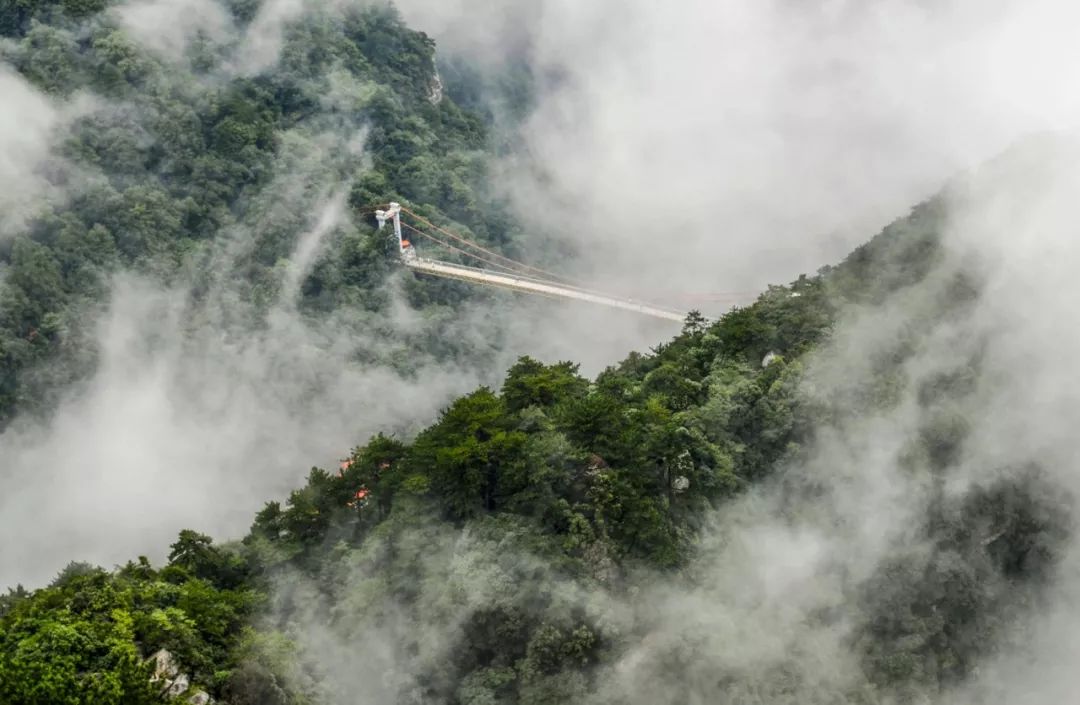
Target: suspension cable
525,277
459,250
470,243
517,268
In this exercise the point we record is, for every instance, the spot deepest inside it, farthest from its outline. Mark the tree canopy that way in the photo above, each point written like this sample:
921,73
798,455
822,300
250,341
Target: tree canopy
502,554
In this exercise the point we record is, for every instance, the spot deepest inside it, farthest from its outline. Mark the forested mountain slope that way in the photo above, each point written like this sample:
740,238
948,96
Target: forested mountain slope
513,550
207,167
774,508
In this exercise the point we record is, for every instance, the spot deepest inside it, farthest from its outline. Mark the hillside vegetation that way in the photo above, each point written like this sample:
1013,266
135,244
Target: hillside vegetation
484,554
533,536
192,171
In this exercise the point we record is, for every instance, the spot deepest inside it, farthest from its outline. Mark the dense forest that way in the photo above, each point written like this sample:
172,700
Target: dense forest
480,561
550,540
200,170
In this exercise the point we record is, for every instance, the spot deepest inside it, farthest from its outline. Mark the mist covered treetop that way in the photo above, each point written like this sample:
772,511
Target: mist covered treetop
767,509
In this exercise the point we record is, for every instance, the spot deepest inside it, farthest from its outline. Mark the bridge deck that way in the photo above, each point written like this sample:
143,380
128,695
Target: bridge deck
535,286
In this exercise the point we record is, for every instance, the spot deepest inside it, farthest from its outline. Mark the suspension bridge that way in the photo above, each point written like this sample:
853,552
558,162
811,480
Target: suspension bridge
493,269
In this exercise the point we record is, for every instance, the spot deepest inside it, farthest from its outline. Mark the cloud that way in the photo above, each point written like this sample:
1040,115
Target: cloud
312,243
788,577
712,146
195,415
202,408
26,139
168,27
730,144
720,146
265,36
193,425
795,584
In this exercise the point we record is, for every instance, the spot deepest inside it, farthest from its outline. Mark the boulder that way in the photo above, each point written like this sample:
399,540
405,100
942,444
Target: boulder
165,668
179,686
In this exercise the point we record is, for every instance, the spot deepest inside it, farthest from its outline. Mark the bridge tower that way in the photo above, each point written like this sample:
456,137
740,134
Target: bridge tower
394,214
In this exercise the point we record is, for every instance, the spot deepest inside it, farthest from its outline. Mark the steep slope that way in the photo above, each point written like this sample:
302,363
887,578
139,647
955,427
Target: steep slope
803,503
203,163
567,540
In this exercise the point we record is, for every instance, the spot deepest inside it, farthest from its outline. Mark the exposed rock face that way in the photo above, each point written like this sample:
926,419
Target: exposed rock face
175,684
435,88
179,686
165,668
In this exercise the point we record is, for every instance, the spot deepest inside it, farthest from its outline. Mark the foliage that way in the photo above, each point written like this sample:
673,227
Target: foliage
171,158
492,523
553,486
85,638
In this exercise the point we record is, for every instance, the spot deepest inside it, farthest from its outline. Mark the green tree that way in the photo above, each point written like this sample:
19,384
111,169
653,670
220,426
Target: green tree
195,553
532,383
471,455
